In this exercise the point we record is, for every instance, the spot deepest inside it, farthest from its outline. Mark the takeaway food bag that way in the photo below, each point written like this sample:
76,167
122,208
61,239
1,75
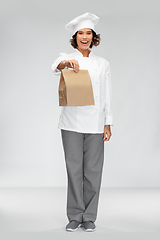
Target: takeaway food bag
75,89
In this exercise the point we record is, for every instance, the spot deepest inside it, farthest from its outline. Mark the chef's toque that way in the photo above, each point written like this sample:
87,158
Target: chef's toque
86,20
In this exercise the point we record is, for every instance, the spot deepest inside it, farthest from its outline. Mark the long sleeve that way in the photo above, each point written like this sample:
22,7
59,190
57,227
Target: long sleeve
61,57
108,97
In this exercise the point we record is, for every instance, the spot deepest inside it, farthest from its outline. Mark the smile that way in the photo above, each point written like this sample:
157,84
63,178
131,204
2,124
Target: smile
84,42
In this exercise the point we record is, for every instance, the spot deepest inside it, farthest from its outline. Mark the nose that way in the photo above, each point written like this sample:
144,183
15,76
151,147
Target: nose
84,36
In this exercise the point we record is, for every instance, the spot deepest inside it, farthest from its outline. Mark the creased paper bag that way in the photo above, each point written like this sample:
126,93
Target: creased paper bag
75,89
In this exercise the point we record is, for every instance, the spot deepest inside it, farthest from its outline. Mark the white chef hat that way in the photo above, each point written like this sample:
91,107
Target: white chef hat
86,20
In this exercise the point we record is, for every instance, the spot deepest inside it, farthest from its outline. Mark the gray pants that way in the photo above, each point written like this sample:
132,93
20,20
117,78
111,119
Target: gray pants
84,157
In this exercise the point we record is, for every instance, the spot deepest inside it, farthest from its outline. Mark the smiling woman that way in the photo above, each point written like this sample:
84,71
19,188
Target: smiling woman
95,38
84,129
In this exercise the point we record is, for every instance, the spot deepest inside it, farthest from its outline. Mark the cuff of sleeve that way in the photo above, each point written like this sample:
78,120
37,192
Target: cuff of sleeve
54,68
109,120
61,57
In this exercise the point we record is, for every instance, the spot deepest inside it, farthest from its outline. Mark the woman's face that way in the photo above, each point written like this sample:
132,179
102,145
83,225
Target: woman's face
84,38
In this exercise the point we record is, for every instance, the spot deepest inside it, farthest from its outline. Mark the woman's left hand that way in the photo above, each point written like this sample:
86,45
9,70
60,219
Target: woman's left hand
107,130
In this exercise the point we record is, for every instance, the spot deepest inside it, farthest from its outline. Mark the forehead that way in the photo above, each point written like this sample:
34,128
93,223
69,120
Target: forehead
85,30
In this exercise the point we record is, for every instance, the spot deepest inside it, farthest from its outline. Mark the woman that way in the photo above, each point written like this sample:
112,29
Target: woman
84,129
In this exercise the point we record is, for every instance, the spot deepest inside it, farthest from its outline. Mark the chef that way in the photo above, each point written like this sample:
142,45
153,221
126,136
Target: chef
84,129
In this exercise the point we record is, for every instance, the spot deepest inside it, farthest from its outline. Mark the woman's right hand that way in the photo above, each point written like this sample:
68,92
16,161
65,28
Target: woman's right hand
73,64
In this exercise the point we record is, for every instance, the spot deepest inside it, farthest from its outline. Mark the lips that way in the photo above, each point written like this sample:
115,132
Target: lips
84,42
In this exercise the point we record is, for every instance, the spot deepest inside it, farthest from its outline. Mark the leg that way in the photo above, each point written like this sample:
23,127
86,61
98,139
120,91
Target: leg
93,165
73,150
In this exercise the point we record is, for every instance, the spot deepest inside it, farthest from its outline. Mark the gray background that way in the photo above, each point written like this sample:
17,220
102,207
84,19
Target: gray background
32,35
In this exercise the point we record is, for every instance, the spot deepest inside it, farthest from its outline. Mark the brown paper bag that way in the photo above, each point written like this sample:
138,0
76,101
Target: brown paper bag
75,89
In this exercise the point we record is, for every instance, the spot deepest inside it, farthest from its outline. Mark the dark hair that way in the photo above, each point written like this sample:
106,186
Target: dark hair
95,40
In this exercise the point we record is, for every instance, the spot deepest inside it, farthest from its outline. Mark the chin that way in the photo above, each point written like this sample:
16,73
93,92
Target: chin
84,47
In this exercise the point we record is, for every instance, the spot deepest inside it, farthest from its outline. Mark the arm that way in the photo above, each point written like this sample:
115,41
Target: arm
108,105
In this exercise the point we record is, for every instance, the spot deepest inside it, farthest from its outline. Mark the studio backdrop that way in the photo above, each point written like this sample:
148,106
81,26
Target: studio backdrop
32,36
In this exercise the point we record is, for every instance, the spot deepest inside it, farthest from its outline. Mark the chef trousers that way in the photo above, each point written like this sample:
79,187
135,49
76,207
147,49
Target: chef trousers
84,157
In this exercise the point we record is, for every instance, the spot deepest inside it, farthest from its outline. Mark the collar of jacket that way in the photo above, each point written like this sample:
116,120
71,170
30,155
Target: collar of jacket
80,54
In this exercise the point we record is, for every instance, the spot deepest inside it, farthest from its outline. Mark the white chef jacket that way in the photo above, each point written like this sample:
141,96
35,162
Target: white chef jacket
93,118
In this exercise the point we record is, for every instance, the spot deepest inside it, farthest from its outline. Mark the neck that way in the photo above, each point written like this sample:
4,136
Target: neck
85,52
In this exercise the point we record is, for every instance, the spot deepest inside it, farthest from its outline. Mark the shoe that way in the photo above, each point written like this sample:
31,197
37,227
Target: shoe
89,226
73,225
